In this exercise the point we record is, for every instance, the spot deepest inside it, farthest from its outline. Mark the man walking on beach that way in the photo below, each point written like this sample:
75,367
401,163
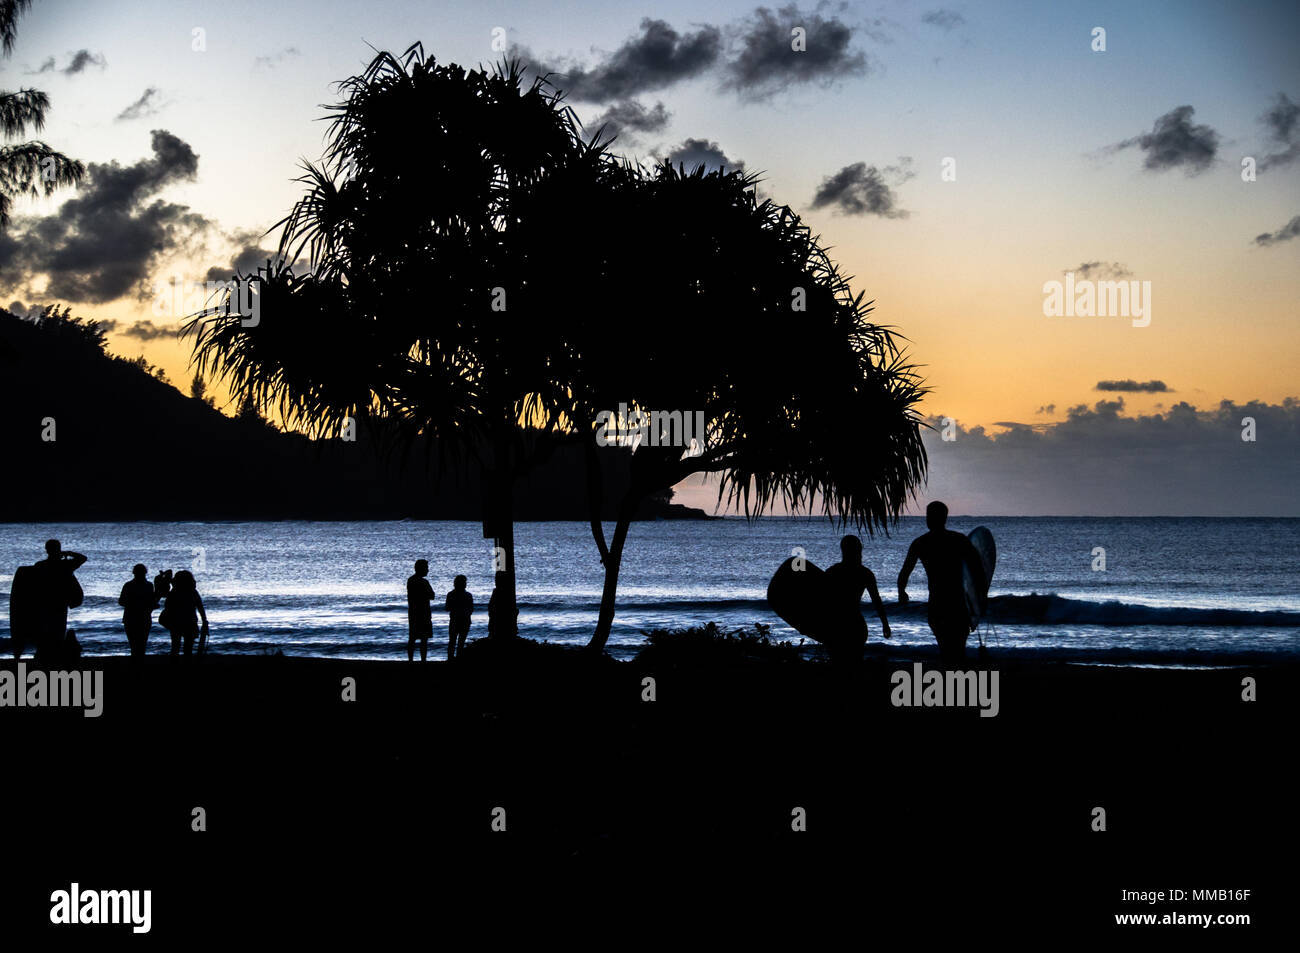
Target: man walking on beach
460,606
943,552
845,582
419,611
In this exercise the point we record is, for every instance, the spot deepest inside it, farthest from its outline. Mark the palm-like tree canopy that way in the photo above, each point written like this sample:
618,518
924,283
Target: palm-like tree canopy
9,13
26,168
414,226
720,303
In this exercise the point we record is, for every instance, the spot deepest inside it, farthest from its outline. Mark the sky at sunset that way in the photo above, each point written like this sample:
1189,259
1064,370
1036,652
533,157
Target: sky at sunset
1122,164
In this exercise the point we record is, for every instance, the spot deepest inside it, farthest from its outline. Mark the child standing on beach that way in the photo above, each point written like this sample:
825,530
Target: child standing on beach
460,606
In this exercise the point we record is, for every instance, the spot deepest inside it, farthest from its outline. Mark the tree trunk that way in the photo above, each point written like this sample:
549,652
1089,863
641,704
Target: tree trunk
613,561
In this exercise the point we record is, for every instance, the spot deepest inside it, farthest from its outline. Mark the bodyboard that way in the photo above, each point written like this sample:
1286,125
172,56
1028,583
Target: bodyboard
799,597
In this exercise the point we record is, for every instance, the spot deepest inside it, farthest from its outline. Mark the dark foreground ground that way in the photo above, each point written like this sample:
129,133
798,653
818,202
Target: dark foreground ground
376,814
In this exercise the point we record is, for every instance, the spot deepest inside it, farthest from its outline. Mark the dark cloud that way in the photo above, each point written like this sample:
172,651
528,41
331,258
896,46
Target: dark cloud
246,261
147,331
623,119
1284,234
862,189
1175,142
275,59
25,311
80,60
1100,461
1282,118
655,58
763,62
1134,387
145,106
943,19
1100,269
100,244
697,152
1283,122
1046,409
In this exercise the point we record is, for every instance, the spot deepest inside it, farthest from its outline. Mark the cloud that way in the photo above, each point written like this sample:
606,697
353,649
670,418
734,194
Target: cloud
1100,461
275,59
101,243
246,261
1175,142
1046,409
142,108
1100,269
80,60
943,19
1284,234
655,58
1134,387
1283,122
862,189
628,117
697,152
1282,118
148,331
764,63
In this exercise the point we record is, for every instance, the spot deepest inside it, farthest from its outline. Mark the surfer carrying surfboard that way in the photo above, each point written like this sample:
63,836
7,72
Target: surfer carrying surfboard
944,553
845,583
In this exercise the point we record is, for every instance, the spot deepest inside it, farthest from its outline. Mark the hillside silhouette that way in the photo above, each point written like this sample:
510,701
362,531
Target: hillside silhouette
129,446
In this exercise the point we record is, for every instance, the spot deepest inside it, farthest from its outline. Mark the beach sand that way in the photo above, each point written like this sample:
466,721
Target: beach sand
303,790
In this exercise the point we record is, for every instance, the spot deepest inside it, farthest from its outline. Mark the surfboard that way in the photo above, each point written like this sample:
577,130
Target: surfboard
24,608
977,591
798,596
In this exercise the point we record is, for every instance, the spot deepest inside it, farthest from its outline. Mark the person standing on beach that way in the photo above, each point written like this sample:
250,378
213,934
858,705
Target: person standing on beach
498,628
460,606
183,612
419,611
845,583
138,602
943,552
59,592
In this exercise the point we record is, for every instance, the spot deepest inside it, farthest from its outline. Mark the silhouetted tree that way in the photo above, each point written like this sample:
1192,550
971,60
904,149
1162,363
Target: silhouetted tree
143,364
481,275
199,390
722,305
61,323
423,230
26,168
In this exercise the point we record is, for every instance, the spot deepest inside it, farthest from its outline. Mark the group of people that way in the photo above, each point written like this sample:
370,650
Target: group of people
943,553
420,596
182,612
459,606
43,593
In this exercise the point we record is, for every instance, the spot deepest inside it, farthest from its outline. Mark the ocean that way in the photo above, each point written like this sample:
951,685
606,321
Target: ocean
1108,591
